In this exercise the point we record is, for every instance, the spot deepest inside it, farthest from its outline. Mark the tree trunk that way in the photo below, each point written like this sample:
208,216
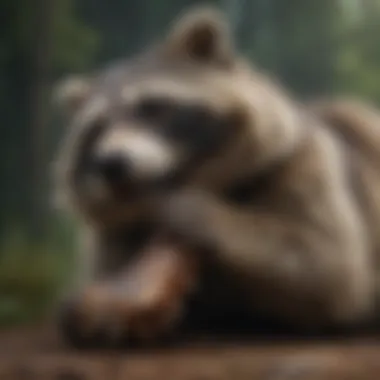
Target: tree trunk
40,59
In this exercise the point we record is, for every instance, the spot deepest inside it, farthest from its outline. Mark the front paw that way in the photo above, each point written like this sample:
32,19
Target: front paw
84,318
143,304
189,216
102,318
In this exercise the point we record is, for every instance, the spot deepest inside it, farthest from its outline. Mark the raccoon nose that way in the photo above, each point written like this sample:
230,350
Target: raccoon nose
114,169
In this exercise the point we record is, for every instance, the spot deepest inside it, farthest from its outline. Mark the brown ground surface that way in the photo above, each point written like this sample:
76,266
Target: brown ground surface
37,354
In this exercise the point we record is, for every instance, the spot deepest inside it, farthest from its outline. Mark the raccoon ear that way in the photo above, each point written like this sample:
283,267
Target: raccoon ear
70,94
203,35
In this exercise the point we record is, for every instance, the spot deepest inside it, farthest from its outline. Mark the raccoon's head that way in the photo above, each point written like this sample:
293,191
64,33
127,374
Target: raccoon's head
86,177
187,109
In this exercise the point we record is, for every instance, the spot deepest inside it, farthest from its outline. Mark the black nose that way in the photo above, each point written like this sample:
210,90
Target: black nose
113,168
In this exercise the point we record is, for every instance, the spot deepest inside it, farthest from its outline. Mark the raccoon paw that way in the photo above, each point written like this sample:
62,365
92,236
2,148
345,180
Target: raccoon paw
189,216
101,318
82,319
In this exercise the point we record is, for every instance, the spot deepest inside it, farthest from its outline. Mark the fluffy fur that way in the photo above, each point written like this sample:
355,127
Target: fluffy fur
282,196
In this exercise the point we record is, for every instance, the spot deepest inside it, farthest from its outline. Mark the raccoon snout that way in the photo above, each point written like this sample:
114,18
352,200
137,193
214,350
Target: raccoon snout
114,169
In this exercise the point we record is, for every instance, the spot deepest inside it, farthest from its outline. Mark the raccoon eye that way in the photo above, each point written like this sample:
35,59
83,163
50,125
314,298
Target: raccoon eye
153,109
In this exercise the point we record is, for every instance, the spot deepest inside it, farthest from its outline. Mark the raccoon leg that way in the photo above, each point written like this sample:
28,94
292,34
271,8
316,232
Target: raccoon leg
102,259
140,304
293,269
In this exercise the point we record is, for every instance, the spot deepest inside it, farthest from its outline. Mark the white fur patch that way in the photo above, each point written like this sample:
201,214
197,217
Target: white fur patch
92,110
71,91
148,155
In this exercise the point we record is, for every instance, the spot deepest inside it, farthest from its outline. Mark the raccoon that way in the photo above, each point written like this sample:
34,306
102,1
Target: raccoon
226,162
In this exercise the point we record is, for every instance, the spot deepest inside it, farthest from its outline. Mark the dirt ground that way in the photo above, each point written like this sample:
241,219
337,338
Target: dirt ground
35,353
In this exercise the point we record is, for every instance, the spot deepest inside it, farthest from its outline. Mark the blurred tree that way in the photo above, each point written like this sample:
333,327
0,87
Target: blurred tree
359,62
40,56
38,40
294,39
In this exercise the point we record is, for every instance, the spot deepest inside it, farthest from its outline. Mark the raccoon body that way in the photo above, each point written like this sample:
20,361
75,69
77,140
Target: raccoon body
275,193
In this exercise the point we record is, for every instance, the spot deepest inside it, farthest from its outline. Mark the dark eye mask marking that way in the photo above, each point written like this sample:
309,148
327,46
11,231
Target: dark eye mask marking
197,128
155,110
194,129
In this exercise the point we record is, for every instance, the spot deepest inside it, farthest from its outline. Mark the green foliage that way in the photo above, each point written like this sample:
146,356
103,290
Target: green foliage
359,61
32,275
75,44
